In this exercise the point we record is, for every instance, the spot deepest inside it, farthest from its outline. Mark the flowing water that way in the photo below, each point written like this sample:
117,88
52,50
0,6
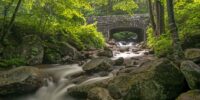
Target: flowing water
127,54
57,89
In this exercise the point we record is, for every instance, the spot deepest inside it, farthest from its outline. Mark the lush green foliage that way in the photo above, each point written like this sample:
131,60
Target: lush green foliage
109,7
54,16
124,35
162,45
188,18
13,62
87,37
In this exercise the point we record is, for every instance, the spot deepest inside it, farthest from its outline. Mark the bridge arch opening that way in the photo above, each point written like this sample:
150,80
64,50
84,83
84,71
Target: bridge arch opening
132,33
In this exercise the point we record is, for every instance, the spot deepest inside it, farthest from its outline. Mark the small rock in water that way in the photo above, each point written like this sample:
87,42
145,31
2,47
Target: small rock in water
119,61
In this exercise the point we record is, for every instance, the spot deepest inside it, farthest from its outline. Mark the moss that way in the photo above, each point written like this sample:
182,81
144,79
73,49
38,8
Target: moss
191,72
190,95
7,63
157,80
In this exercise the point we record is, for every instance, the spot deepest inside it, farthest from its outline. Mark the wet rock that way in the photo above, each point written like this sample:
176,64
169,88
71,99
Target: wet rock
79,79
106,53
119,61
99,93
81,91
191,72
190,95
155,80
123,49
21,80
193,54
130,63
98,64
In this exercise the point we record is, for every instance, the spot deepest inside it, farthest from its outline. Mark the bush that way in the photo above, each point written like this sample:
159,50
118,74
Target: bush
161,45
86,37
188,18
7,63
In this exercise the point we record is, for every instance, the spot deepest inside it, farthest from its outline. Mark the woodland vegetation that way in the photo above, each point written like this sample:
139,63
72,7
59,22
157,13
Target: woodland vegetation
174,23
49,50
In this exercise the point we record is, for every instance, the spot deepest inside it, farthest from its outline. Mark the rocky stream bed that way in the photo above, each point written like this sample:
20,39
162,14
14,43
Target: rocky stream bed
119,72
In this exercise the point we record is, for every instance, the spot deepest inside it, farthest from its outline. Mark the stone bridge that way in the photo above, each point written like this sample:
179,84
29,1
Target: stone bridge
111,24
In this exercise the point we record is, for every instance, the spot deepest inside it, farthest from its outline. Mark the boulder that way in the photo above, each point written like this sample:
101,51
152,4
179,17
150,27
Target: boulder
60,53
119,61
191,71
30,49
21,80
33,50
99,93
124,49
98,64
81,91
155,80
190,95
106,53
192,54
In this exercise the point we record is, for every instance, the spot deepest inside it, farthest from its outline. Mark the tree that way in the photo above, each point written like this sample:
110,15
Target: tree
174,30
110,7
156,12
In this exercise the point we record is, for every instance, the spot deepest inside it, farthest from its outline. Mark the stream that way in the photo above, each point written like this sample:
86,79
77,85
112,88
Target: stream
57,90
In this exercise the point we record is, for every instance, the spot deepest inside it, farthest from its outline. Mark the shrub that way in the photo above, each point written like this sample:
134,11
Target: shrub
161,45
7,63
87,37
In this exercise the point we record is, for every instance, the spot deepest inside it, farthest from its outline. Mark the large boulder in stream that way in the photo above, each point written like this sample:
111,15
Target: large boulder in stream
98,64
60,53
99,93
155,80
191,72
21,80
192,54
107,52
82,90
190,95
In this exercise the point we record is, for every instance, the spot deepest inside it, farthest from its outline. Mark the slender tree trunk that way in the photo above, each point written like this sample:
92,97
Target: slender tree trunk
174,30
159,17
11,21
5,13
151,15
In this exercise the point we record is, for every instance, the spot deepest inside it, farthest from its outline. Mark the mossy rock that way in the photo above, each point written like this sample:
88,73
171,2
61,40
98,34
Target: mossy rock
52,57
81,91
192,54
99,93
155,80
190,95
60,52
191,72
21,80
98,64
30,49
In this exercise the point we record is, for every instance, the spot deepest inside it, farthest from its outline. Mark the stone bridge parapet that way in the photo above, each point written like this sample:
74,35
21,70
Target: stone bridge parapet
106,24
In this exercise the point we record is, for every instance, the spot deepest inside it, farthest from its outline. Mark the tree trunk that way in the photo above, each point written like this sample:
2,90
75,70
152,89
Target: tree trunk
11,21
159,17
151,15
174,30
5,13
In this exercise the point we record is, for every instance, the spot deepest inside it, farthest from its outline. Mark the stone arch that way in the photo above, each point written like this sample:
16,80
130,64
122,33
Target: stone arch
140,32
